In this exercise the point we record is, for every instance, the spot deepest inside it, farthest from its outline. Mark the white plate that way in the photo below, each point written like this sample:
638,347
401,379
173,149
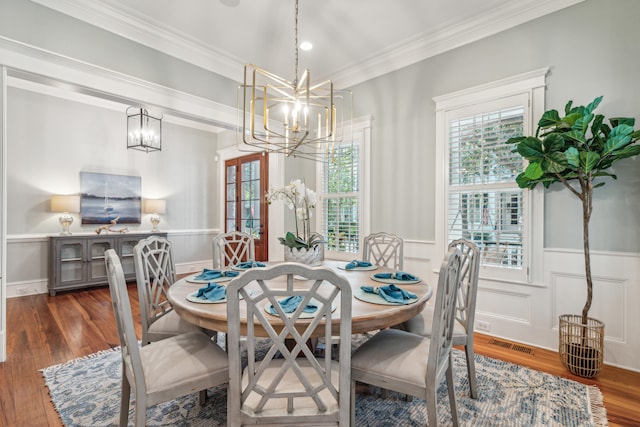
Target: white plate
303,315
377,299
370,268
218,280
192,297
396,281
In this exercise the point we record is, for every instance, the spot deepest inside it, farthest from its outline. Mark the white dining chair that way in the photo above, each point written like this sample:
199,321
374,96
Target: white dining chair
286,383
165,369
155,273
232,248
411,364
422,324
384,250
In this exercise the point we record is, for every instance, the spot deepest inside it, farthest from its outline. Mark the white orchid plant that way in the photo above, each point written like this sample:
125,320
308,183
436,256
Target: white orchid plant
301,200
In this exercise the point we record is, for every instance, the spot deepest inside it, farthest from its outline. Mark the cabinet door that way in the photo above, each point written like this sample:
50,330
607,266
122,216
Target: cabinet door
126,255
70,265
96,270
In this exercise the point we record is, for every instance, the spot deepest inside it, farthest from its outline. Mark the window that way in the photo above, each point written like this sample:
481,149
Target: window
480,199
341,184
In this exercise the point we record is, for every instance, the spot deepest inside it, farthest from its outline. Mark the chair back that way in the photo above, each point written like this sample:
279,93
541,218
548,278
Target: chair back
155,273
444,313
231,248
124,320
384,250
468,290
285,382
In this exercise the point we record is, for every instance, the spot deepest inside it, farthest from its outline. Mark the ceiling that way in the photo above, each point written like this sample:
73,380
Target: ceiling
353,40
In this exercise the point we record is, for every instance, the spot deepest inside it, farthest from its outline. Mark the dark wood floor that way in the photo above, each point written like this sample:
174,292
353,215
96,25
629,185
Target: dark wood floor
45,330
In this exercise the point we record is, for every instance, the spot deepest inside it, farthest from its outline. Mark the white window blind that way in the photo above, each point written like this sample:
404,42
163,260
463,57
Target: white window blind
485,204
341,199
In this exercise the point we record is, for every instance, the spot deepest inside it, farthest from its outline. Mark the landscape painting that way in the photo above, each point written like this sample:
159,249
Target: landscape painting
106,198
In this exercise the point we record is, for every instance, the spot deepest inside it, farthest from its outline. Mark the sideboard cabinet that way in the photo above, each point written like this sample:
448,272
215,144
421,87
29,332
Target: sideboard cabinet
78,261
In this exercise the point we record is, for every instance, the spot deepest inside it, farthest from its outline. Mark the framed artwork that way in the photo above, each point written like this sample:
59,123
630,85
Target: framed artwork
106,197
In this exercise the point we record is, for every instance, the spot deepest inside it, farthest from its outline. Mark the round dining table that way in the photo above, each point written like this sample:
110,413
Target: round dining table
369,312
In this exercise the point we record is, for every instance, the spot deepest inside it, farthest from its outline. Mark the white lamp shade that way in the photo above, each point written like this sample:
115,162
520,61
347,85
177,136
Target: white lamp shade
156,206
64,203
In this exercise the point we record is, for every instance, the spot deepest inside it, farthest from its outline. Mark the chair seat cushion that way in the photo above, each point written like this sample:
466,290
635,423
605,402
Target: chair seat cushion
290,383
421,324
184,362
169,325
392,356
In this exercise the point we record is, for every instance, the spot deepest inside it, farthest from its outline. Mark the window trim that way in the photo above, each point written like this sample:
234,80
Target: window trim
533,85
362,126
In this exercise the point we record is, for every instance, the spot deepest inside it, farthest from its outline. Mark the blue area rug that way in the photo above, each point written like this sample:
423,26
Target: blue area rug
86,393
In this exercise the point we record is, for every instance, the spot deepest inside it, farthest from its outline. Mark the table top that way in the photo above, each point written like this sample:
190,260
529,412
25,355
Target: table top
366,316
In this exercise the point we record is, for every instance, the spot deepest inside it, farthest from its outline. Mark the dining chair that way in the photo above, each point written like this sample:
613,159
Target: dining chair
163,370
155,273
231,248
285,383
422,324
384,250
411,364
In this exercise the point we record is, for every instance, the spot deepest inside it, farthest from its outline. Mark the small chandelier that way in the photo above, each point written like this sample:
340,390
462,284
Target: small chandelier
144,131
294,118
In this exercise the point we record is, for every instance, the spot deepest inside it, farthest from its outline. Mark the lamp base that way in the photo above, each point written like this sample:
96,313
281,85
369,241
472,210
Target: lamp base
155,220
65,221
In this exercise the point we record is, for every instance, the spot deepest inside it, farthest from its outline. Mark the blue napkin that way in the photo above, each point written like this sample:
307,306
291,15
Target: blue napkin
250,264
400,275
290,304
390,293
212,292
208,274
356,263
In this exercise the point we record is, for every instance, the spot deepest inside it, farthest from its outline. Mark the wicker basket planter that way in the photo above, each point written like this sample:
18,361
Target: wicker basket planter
581,346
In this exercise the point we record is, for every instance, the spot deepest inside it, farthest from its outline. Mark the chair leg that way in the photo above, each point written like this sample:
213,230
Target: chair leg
471,370
452,391
432,404
353,403
202,397
125,396
141,411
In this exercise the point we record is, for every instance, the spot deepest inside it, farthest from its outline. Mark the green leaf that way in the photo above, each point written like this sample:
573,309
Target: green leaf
576,135
524,182
530,148
582,124
549,118
617,121
594,104
588,160
597,124
617,140
554,162
553,142
567,107
534,170
628,151
573,156
571,118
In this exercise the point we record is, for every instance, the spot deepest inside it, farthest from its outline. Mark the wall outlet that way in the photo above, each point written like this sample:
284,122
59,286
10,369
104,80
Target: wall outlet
483,326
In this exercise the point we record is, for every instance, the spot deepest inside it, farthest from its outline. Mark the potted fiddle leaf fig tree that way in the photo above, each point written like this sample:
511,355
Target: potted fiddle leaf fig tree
578,150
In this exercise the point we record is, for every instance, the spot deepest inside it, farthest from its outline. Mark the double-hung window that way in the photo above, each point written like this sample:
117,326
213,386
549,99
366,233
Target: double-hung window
342,187
481,201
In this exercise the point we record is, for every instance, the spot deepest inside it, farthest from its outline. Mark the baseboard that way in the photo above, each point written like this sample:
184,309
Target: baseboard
31,287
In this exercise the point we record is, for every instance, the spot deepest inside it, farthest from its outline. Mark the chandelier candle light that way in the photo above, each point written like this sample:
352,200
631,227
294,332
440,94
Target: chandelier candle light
144,131
294,118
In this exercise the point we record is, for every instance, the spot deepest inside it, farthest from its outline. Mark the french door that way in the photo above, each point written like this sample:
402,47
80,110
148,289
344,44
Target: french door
246,183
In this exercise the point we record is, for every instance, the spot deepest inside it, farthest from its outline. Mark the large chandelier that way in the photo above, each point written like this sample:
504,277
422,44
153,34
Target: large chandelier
294,118
144,131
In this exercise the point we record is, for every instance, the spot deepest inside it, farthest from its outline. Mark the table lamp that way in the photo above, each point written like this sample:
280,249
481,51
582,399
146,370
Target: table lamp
155,207
65,204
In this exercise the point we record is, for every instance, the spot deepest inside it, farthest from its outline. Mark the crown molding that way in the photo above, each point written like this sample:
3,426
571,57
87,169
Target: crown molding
447,38
40,70
130,24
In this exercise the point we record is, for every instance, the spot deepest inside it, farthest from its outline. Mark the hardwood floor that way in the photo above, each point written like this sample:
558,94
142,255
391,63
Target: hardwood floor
45,331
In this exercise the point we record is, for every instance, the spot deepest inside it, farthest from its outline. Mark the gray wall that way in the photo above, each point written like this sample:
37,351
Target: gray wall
592,50
50,140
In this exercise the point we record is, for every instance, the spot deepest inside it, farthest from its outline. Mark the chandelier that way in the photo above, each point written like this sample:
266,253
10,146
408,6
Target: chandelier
294,118
144,131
